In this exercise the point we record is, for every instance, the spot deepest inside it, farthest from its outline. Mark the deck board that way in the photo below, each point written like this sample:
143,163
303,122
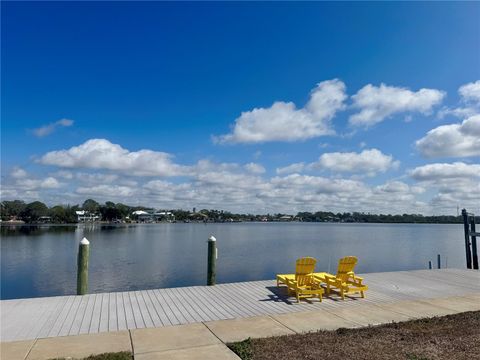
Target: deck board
24,319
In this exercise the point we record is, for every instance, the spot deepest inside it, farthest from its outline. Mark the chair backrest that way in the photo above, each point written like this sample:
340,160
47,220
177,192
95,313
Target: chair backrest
304,266
346,265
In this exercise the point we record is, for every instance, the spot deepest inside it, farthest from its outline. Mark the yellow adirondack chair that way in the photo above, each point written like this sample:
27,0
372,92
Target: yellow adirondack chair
345,281
302,283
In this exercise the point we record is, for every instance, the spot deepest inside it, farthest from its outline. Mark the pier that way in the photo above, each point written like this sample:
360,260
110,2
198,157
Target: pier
25,319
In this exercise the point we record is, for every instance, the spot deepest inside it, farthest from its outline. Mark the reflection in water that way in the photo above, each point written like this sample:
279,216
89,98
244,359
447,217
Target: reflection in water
41,260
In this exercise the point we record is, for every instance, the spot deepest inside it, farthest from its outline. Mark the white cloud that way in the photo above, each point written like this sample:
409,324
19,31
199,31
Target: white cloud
376,103
35,184
284,122
107,190
440,171
470,99
102,154
18,173
50,128
254,168
454,140
292,168
470,91
368,162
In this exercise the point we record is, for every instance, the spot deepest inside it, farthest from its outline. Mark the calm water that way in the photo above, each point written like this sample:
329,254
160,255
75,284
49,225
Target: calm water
41,261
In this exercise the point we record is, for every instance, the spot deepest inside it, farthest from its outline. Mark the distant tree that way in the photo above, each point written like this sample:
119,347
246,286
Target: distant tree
34,211
62,214
11,209
90,205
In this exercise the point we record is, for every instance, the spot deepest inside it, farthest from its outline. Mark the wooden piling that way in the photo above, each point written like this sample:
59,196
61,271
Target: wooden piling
467,238
473,233
430,265
439,264
82,267
212,259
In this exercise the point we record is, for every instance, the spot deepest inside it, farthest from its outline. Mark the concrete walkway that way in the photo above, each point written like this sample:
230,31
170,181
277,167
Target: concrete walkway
206,340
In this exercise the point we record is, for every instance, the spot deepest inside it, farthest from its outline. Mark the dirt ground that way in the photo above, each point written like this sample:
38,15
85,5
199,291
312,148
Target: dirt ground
449,337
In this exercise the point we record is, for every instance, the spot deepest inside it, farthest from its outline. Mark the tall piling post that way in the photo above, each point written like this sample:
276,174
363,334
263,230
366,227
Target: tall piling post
439,264
212,259
467,238
430,265
82,267
474,243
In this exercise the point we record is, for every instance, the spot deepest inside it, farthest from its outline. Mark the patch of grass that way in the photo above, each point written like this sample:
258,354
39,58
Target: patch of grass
124,355
243,349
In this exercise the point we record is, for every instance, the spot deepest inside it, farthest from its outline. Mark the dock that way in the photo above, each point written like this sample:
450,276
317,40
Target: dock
24,319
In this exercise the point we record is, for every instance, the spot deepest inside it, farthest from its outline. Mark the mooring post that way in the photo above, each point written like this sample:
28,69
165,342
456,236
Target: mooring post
467,238
430,265
474,242
439,265
82,271
212,259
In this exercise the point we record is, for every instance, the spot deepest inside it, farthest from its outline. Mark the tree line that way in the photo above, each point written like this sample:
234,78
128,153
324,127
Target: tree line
109,211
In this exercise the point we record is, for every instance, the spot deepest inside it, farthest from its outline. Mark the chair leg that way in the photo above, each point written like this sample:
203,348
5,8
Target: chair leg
320,297
342,294
363,294
298,298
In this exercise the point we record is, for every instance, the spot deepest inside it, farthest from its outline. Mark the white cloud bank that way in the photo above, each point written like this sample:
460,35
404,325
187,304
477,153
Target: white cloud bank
284,122
454,140
377,103
50,128
369,162
102,154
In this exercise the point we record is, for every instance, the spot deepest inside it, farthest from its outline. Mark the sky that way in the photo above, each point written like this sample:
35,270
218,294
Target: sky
246,107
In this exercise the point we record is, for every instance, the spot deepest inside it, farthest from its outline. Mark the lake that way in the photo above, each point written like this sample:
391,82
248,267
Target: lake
41,260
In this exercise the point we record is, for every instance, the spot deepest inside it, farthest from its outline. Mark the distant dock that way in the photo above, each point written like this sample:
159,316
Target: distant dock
24,319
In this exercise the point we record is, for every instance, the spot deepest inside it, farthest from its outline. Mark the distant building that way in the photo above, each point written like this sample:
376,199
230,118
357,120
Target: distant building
86,216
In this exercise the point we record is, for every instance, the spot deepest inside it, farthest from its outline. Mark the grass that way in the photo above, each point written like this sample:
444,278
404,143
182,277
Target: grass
124,355
448,337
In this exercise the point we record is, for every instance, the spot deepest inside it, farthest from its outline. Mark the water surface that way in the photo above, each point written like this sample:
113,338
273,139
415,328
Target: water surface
41,261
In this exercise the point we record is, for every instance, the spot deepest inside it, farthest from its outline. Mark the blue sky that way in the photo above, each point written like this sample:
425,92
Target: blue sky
359,106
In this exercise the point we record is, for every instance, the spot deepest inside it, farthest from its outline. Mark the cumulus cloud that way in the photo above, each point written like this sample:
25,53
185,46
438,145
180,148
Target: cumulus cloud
470,91
470,102
369,162
18,173
114,191
50,128
254,168
35,184
292,168
454,140
377,103
283,121
102,154
440,171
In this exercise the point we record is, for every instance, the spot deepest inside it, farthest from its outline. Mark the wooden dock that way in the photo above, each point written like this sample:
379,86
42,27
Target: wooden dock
23,319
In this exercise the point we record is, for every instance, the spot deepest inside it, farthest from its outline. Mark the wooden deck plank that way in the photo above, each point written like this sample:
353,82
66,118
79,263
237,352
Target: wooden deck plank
78,319
112,312
137,314
87,319
46,317
128,311
179,310
188,313
57,326
67,324
104,312
159,308
146,315
121,319
96,314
